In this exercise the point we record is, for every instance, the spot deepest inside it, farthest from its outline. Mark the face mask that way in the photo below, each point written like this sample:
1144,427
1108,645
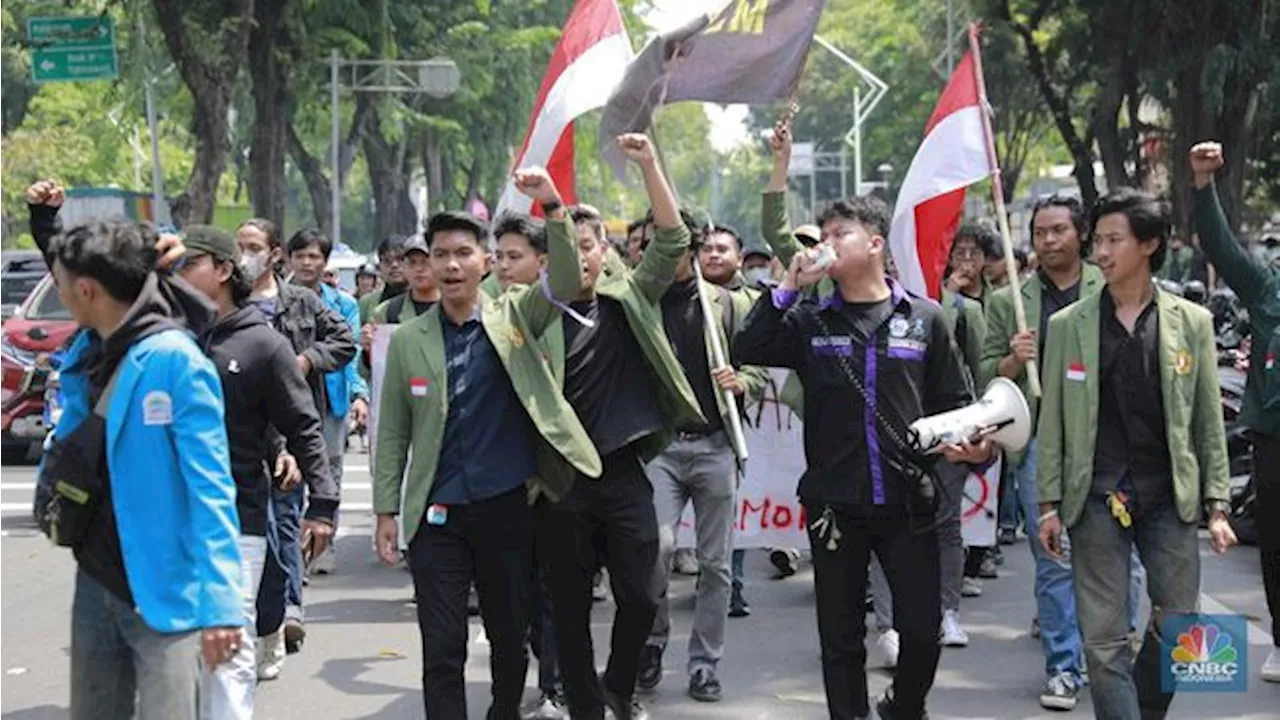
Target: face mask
758,275
253,265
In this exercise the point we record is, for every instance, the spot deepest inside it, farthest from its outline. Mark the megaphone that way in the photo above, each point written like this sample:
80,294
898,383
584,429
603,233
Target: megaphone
1001,415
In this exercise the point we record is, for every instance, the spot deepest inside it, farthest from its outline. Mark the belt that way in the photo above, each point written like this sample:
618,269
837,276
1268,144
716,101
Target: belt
689,435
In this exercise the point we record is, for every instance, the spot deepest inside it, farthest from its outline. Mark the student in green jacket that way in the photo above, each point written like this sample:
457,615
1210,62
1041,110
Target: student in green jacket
391,266
1131,449
1258,287
623,380
419,295
468,396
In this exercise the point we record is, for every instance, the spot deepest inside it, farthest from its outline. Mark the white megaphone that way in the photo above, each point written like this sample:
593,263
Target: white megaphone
1001,415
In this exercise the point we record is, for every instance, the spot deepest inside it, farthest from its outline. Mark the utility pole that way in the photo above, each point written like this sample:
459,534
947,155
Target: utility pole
863,104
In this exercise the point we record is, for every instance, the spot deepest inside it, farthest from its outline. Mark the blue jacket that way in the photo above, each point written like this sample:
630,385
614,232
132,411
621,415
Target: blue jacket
346,384
171,484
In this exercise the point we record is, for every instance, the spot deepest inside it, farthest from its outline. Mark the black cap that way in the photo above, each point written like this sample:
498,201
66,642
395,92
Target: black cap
209,240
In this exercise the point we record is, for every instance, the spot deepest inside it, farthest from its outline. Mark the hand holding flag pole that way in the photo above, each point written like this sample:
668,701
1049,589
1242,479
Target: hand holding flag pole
1002,217
710,331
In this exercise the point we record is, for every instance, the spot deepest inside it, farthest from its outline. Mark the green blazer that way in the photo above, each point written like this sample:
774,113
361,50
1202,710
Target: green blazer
1068,425
955,306
1002,324
408,423
639,290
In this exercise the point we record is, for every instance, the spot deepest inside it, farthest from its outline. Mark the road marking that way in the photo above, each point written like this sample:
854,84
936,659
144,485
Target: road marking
1257,634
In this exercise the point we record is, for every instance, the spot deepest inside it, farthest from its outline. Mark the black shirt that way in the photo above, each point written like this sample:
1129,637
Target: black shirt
1052,299
907,364
607,380
682,320
1132,449
488,437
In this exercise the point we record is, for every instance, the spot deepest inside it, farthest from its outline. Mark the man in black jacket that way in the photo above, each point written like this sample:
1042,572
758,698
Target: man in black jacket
262,387
322,342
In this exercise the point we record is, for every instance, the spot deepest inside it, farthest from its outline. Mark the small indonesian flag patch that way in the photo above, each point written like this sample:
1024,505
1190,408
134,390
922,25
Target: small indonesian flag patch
1075,371
418,387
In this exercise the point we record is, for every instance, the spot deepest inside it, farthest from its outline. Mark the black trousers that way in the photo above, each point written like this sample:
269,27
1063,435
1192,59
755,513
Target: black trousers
609,521
910,563
1266,478
489,543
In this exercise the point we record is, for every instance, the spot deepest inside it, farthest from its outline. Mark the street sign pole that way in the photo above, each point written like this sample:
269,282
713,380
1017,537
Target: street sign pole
335,200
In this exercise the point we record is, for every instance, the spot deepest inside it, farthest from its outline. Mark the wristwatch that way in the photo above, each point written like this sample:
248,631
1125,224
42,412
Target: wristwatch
1212,506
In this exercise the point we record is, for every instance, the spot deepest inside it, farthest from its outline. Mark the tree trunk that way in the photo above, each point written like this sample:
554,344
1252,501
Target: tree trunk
1081,152
312,167
389,179
210,81
268,46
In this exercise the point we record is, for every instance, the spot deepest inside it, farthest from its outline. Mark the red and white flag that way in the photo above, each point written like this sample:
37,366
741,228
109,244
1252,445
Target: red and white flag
587,64
952,156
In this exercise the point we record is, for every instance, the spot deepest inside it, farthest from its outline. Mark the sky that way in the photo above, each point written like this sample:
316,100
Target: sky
728,123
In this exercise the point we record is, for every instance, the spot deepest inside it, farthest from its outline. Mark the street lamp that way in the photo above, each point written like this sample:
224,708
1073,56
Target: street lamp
886,171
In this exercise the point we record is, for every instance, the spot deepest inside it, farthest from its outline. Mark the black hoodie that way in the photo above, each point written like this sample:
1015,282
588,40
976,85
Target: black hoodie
262,386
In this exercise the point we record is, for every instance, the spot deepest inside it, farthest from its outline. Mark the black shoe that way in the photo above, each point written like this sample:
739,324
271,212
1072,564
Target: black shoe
617,708
786,561
650,673
987,570
1008,536
998,555
295,633
886,710
704,686
738,606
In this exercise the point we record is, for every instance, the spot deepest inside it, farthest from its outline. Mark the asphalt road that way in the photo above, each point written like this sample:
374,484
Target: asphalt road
362,657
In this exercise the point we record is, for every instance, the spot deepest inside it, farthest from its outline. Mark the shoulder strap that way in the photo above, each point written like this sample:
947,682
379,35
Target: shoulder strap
100,409
394,309
726,312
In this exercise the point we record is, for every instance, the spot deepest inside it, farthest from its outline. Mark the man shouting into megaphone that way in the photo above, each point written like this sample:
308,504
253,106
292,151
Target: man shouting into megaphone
873,358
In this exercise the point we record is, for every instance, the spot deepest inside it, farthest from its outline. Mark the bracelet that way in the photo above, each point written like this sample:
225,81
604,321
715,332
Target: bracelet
1046,516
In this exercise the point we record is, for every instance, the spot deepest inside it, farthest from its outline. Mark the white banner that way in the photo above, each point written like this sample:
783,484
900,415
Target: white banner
770,514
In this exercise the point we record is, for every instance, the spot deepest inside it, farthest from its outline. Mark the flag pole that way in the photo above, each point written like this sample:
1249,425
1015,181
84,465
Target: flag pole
736,434
1002,217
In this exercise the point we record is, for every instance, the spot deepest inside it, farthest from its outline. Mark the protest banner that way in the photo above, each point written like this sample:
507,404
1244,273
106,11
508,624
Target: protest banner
768,512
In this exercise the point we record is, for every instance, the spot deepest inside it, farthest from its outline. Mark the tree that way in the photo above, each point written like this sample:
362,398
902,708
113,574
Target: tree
208,41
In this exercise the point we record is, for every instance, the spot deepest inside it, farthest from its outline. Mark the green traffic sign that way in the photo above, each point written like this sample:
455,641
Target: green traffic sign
72,48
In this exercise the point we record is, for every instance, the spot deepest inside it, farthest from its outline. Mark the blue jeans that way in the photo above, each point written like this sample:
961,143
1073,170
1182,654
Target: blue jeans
1010,507
1122,688
280,595
117,660
1055,598
737,572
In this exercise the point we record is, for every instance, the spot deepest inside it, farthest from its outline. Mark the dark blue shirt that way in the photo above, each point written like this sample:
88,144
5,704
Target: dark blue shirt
488,437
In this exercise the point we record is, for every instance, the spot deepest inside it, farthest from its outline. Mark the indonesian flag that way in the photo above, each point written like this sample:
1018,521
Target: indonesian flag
587,64
952,156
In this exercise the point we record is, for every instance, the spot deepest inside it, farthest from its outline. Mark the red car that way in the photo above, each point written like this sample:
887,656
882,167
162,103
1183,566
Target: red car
39,327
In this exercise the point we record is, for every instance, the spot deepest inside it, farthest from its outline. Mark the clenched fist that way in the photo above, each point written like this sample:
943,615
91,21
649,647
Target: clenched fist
1206,159
637,147
45,192
536,183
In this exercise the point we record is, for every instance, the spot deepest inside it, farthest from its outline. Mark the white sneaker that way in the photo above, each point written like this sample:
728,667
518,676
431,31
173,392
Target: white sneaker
1060,693
888,646
326,562
971,587
271,655
952,634
1271,668
685,562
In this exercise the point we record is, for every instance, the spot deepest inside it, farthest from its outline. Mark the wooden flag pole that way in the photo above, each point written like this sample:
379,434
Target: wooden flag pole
1002,216
736,434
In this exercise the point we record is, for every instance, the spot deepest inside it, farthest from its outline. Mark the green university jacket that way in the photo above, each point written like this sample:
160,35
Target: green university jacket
1002,324
409,421
1067,431
639,290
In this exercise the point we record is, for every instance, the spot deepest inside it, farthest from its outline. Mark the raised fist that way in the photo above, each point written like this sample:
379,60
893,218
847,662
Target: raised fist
780,140
45,192
637,147
1206,159
536,183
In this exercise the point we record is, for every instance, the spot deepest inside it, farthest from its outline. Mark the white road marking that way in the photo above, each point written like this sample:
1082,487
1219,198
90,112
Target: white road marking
1258,635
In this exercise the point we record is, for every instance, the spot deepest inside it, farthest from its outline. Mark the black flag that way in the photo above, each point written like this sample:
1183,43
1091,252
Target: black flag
750,52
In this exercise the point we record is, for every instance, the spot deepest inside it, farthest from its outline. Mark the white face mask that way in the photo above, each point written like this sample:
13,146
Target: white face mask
253,265
757,275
